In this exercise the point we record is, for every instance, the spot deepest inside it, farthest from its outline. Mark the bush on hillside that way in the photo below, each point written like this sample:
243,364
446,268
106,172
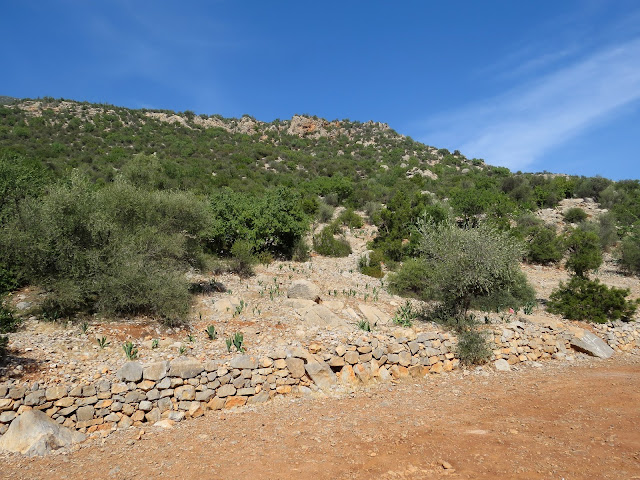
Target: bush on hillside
515,296
584,299
371,264
4,342
463,265
630,253
326,244
350,219
575,215
473,347
273,222
117,250
544,247
584,252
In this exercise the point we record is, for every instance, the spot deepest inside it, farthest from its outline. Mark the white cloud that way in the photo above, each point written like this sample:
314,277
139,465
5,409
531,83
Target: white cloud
514,129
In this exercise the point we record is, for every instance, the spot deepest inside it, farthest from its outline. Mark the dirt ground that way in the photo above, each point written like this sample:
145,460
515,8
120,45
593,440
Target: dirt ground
557,422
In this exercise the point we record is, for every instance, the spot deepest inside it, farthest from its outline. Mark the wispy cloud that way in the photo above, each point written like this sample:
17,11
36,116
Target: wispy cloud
514,129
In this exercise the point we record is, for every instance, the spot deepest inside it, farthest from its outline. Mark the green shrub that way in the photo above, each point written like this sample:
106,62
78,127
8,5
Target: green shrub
516,295
301,251
630,254
575,215
544,247
584,252
371,264
325,212
4,342
465,264
8,321
326,244
584,299
473,347
350,219
8,279
411,279
117,250
242,259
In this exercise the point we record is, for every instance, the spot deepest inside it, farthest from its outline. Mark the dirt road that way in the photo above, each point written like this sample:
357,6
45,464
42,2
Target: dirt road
557,422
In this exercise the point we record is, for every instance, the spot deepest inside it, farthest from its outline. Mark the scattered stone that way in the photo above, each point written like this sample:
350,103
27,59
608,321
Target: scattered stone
502,365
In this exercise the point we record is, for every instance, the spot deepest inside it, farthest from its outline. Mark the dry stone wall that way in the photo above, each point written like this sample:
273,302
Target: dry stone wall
185,388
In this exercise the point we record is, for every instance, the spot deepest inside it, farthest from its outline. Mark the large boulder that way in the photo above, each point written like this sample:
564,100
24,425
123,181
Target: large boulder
304,289
34,433
589,343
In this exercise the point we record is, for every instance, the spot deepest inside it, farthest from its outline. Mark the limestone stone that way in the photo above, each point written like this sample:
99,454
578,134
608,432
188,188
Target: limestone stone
185,368
295,366
34,433
130,372
502,365
261,397
321,374
303,289
85,413
593,345
235,402
155,371
351,357
55,392
226,390
244,362
374,315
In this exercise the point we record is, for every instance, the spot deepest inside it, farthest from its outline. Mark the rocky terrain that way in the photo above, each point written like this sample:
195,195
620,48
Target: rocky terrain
300,328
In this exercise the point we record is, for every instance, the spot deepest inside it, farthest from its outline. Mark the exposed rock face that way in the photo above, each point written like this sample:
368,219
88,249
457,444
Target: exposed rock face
34,433
304,289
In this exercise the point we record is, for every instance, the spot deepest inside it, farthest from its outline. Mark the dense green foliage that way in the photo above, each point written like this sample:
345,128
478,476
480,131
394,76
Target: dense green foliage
575,215
630,253
584,299
118,249
461,265
544,247
473,348
326,243
371,264
585,253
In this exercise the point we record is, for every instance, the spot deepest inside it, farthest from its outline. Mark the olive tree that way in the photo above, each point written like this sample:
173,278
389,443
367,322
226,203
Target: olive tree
464,264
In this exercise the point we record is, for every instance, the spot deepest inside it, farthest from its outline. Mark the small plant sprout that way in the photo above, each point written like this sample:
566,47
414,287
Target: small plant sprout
130,350
191,338
238,342
154,343
239,308
364,325
528,308
211,332
229,342
182,350
84,327
404,315
102,342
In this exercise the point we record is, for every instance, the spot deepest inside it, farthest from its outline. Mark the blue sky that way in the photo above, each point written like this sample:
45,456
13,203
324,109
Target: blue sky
530,85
